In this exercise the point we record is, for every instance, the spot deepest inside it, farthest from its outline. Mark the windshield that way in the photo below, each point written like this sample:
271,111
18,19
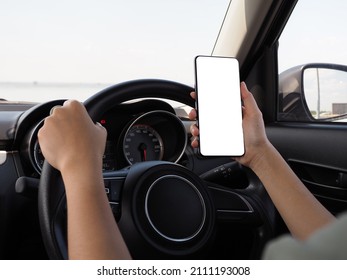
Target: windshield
74,48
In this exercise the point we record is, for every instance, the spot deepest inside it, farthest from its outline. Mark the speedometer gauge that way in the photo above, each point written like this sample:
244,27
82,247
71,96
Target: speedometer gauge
142,143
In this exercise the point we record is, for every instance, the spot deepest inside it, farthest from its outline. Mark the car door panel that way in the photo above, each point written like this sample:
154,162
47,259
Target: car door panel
315,152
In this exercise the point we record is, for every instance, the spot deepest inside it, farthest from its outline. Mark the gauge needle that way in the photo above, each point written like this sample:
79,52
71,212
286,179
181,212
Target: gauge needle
143,150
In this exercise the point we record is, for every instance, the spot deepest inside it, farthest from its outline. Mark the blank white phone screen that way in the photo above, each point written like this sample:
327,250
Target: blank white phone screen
219,106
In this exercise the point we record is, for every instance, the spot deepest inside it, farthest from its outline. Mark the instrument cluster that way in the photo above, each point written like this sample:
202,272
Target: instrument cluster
135,135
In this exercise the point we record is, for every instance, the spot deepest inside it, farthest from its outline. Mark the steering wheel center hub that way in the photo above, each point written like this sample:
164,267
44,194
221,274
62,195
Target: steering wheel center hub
175,208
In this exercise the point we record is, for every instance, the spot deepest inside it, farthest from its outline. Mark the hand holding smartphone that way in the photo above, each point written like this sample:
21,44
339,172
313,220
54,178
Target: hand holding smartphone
218,104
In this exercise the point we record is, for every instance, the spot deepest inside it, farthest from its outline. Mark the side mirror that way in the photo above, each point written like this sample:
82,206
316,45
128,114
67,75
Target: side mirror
313,92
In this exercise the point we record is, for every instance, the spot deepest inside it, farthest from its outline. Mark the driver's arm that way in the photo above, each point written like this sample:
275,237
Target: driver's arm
300,210
74,145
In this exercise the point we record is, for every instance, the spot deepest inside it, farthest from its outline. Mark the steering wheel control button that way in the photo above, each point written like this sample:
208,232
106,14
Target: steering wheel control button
115,187
175,208
107,190
116,210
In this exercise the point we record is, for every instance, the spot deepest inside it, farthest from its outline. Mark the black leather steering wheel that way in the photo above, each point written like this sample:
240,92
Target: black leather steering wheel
164,210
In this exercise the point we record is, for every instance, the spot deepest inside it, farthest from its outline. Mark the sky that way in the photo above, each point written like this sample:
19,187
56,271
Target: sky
316,32
111,41
104,40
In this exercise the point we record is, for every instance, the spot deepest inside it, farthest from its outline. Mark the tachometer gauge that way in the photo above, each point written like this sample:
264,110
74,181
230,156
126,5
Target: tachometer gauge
142,143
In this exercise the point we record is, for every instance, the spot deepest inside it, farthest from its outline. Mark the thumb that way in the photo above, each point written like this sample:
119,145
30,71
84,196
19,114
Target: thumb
247,97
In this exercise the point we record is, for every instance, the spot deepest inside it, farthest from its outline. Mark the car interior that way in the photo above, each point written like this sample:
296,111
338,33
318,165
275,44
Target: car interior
169,201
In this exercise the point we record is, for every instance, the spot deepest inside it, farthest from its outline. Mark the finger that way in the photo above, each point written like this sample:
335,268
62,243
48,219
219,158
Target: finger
195,143
193,95
100,126
192,114
51,112
75,105
247,97
72,101
194,130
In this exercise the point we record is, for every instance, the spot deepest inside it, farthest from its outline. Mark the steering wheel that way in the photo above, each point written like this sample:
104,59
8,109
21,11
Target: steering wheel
165,210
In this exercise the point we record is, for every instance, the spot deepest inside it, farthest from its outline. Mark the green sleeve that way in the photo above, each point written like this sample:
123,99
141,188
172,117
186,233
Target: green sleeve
329,243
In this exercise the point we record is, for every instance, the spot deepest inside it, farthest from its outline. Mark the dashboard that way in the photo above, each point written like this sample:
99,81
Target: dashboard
139,131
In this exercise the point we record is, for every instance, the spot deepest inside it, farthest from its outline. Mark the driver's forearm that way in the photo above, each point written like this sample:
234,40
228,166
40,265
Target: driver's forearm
301,211
92,230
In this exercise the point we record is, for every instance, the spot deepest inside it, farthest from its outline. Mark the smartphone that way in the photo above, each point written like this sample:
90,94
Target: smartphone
218,105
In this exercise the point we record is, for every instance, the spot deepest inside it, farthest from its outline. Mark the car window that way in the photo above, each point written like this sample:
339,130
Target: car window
312,63
74,48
